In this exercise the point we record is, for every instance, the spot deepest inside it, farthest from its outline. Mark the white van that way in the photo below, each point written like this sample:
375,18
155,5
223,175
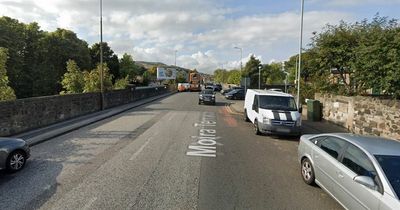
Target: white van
272,112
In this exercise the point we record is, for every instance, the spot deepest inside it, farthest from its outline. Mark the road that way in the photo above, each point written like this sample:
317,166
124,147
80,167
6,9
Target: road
169,154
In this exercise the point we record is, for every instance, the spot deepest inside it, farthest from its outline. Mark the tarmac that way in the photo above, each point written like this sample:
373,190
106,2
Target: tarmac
37,136
310,127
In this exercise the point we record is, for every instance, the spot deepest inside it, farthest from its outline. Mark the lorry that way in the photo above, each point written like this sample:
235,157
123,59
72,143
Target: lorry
195,81
272,112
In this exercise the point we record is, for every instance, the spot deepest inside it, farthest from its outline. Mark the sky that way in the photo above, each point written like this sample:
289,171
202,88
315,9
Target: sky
202,32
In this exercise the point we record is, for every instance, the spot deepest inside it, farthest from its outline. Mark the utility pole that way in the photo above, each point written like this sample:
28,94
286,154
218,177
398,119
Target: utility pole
300,51
259,76
175,56
101,55
283,70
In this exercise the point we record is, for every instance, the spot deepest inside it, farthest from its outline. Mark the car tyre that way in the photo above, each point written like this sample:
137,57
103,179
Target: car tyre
256,128
199,102
16,161
307,171
246,118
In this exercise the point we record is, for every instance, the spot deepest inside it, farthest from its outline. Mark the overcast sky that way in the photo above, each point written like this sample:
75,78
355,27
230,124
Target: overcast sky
204,32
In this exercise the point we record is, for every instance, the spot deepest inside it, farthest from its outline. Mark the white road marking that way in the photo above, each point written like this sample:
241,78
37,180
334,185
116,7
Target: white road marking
89,203
140,149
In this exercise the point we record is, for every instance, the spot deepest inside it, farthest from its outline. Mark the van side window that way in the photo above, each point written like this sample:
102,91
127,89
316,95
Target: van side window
255,103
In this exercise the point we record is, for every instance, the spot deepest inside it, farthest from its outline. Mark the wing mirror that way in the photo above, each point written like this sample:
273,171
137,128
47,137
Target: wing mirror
366,181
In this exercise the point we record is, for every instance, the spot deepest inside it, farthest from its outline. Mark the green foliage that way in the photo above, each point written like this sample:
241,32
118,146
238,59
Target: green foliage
273,74
6,92
121,83
251,70
128,68
73,81
221,75
234,77
37,59
109,58
93,82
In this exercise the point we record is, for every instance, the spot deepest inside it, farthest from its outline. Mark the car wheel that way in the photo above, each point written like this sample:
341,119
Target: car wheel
16,161
256,129
307,171
199,102
246,118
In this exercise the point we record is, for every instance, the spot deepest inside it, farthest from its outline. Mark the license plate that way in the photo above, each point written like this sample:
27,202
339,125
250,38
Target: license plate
283,130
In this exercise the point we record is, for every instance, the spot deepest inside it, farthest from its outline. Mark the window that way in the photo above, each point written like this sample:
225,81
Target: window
255,103
332,146
317,139
357,161
278,103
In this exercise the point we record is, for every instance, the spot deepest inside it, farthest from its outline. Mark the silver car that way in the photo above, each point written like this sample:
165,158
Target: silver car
13,154
359,172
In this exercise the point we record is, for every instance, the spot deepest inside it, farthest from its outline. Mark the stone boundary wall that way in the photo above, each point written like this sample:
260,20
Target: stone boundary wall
363,115
26,114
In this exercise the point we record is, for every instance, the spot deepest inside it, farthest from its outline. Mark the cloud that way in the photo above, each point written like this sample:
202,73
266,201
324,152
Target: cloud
204,32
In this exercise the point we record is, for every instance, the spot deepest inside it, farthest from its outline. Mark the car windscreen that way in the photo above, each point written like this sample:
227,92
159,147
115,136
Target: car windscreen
391,167
277,103
207,92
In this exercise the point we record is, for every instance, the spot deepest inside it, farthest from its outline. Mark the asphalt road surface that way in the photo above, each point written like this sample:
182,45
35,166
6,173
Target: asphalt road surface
169,154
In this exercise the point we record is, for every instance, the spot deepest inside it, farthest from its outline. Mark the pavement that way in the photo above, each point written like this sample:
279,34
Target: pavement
37,136
309,127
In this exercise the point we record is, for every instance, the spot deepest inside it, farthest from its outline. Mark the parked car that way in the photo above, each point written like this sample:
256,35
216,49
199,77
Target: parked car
223,92
235,94
272,112
207,96
208,88
217,87
360,172
13,154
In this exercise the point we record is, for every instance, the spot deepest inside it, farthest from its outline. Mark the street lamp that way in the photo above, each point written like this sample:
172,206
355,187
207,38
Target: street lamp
101,55
175,56
300,50
259,76
241,69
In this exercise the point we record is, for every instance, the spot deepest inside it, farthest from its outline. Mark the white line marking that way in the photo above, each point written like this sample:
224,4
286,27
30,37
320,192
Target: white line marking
140,149
90,203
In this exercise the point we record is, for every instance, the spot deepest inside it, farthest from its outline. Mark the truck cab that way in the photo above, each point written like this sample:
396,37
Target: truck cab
272,112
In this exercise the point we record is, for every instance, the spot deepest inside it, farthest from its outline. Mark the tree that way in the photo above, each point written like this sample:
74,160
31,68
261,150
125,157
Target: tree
121,83
128,68
73,81
109,58
181,76
251,70
234,77
221,75
273,74
6,92
92,79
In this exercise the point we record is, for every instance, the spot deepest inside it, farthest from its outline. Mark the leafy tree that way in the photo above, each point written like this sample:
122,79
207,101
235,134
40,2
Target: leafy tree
6,92
234,77
73,81
273,74
251,70
109,58
128,68
121,83
221,75
93,82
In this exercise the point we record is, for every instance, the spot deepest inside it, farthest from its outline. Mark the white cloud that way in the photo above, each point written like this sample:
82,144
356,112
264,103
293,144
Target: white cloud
204,32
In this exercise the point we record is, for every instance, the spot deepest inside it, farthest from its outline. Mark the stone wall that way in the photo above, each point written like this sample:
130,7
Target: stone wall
363,115
26,114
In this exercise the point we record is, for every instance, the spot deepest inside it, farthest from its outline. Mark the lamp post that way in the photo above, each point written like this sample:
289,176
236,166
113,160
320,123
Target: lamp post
300,51
175,56
259,76
101,55
241,68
